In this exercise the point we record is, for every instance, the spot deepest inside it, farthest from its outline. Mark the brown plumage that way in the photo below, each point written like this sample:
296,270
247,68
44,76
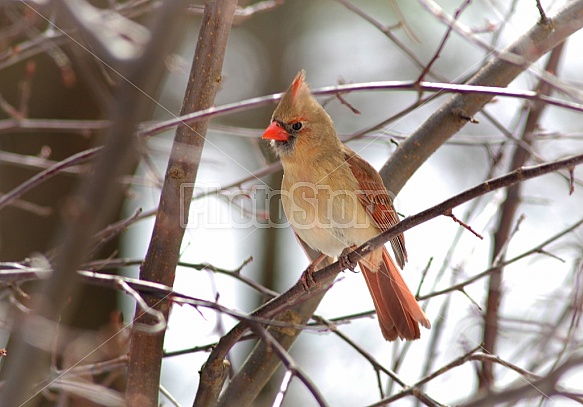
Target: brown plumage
334,200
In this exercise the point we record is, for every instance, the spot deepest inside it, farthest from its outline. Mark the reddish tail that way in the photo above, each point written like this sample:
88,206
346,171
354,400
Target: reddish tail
398,312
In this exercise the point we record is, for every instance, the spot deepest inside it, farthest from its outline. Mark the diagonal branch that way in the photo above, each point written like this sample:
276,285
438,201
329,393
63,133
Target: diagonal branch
324,276
452,116
547,385
44,175
293,368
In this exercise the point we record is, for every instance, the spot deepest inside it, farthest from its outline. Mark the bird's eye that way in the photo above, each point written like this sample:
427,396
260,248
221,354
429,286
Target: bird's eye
296,126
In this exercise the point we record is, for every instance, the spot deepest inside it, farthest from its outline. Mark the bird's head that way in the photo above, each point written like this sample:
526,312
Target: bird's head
299,123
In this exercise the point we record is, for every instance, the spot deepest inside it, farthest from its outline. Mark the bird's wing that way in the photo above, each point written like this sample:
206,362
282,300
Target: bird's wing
374,197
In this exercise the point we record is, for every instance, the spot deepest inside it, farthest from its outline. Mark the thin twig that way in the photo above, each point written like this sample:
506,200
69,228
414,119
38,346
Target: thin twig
463,224
543,17
34,162
96,368
534,250
377,366
283,388
414,86
458,12
195,349
387,31
48,173
143,308
30,207
235,274
9,109
412,390
169,396
32,125
546,385
289,363
500,256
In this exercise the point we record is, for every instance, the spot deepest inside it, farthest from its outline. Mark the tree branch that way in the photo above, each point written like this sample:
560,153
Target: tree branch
86,211
163,252
546,386
447,120
324,276
504,227
414,86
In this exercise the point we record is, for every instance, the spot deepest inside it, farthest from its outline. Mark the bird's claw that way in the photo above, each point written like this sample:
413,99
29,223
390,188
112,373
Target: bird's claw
307,278
345,261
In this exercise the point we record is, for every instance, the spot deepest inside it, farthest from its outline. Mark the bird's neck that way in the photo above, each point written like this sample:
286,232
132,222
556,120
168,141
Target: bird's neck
313,165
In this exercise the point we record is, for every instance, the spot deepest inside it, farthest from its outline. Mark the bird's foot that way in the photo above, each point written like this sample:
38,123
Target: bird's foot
307,278
345,261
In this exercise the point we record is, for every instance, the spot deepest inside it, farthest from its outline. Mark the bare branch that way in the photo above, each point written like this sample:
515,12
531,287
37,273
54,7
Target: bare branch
503,229
463,224
235,274
387,31
408,390
536,249
484,91
289,363
445,122
164,248
169,396
30,207
83,127
283,388
50,172
9,109
97,367
143,308
29,161
543,17
547,386
458,12
416,388
324,276
87,211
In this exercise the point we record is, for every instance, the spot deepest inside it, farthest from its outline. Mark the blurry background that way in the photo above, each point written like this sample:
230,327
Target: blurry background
334,45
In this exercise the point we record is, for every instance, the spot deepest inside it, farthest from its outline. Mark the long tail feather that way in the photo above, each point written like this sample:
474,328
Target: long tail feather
398,312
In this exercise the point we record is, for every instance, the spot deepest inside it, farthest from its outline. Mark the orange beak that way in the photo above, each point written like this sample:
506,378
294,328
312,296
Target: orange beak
275,132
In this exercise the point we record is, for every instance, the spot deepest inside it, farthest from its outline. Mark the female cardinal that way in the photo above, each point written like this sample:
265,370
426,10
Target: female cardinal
335,200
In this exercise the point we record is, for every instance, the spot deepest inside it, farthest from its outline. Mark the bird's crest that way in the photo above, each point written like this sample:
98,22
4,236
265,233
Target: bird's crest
297,84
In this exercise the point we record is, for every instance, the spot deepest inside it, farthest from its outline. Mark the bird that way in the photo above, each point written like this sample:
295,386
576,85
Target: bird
335,201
